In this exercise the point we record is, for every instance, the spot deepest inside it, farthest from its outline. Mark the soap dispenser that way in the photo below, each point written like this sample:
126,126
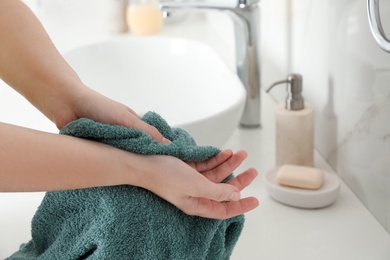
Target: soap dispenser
144,17
294,126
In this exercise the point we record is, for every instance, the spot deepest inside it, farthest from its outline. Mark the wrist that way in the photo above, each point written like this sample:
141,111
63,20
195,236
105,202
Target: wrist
135,169
63,101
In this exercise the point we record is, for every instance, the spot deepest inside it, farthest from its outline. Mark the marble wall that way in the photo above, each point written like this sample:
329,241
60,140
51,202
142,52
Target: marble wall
347,77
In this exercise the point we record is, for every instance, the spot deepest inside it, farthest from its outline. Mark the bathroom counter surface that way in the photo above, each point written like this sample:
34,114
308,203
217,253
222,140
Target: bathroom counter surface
345,230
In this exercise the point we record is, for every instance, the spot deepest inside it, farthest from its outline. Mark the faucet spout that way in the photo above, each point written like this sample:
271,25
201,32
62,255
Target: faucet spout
246,17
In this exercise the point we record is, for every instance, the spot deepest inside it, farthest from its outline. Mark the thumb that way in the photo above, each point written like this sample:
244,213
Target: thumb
222,192
152,131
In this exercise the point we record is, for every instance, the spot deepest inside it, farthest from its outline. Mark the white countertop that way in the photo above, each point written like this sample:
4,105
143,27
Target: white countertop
345,230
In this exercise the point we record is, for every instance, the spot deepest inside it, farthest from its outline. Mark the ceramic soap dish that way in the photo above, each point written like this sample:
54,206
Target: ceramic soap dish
303,198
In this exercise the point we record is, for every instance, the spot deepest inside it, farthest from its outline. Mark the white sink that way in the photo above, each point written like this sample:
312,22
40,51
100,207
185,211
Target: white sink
186,82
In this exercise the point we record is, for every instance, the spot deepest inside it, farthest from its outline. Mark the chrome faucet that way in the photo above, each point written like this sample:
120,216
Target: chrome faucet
246,17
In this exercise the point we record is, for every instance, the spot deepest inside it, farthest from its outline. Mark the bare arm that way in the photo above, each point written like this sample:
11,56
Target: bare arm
30,63
32,160
37,161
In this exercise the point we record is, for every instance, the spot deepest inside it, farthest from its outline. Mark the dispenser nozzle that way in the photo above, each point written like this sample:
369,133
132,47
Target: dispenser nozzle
294,99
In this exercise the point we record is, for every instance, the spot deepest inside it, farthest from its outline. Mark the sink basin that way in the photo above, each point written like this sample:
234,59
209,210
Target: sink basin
184,81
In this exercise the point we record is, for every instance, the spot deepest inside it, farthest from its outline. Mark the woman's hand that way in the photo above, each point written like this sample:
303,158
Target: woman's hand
197,190
85,102
37,70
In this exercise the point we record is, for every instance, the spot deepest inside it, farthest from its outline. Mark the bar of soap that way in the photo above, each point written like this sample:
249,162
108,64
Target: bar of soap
300,177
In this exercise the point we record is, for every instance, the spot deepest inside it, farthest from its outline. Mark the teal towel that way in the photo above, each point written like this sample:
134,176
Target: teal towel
126,222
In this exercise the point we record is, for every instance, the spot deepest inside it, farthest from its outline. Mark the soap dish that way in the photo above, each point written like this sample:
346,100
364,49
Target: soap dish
303,198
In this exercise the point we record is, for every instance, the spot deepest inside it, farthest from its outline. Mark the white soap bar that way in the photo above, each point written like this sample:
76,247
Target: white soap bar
300,177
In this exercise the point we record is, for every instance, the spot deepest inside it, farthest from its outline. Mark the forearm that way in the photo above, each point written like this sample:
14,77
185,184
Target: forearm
31,160
30,63
37,161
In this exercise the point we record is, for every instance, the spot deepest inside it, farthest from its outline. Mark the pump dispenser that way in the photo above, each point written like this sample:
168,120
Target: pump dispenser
144,17
294,126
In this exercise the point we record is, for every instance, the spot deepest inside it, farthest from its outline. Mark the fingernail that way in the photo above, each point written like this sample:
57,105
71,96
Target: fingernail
235,196
166,141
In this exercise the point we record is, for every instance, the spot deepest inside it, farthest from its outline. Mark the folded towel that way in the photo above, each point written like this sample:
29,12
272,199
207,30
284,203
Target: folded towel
127,222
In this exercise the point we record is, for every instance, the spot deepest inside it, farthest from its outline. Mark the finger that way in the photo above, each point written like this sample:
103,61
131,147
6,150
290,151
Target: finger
219,173
213,161
151,130
244,179
223,210
217,192
230,191
134,121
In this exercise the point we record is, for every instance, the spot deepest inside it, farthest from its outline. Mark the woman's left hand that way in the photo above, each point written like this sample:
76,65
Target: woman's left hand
88,103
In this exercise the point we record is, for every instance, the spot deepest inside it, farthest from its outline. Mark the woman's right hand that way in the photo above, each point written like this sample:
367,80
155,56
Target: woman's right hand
196,188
